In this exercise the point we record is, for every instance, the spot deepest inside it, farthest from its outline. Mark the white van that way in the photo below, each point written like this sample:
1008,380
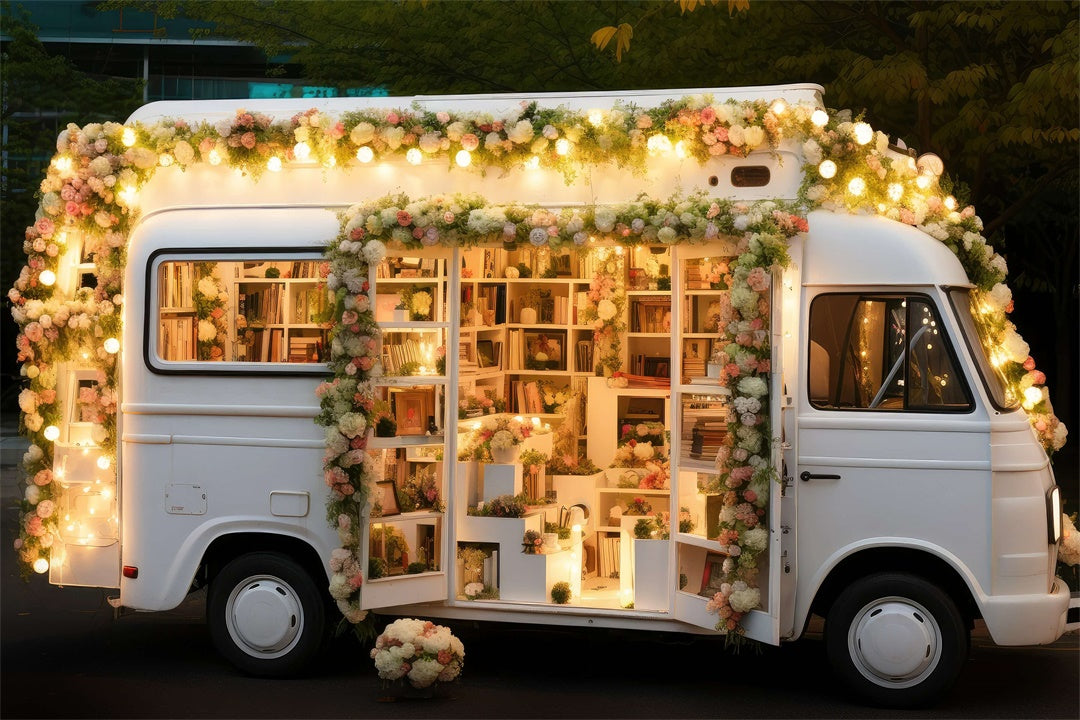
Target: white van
912,496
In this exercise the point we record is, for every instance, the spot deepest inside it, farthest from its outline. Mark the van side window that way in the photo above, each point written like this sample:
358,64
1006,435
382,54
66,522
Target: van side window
251,312
882,353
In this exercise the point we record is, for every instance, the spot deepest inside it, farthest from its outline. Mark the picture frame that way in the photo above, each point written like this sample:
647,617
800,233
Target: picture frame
411,411
485,354
544,350
561,263
658,367
386,498
712,576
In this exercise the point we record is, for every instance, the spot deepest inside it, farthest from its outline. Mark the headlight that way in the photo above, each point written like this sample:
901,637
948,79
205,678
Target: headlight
1053,514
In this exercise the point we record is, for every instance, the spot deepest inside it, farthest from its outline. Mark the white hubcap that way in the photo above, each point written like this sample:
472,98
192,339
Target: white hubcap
264,616
894,642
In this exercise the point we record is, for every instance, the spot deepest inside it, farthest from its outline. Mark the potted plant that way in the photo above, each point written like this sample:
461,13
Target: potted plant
500,438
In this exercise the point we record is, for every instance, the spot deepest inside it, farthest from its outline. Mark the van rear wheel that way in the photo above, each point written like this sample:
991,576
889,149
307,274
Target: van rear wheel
896,639
266,615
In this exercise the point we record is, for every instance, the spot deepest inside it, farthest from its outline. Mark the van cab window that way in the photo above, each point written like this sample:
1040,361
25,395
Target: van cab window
263,311
882,352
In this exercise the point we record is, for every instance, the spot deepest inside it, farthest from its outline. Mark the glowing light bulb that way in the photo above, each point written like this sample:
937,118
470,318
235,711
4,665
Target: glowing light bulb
536,422
112,345
214,157
1032,396
779,107
680,149
659,143
820,118
895,191
414,156
857,186
165,160
923,181
596,118
47,278
52,433
274,164
365,154
103,462
41,566
950,202
128,137
463,158
532,163
827,169
562,146
302,151
129,195
63,164
863,133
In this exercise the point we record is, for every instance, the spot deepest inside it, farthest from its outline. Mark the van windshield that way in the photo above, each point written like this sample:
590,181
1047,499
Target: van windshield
975,334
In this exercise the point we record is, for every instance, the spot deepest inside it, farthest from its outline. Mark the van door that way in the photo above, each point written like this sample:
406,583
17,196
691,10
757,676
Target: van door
892,447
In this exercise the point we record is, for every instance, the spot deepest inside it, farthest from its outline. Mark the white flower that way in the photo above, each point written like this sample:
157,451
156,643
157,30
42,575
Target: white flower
643,451
512,272
757,387
812,152
522,132
606,310
744,600
604,219
1014,346
538,236
474,589
755,135
374,252
736,135
207,331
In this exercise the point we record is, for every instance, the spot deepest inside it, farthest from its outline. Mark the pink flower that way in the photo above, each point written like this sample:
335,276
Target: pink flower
442,116
356,581
448,217
707,115
357,234
1029,364
35,527
33,332
403,218
43,478
248,140
44,226
393,118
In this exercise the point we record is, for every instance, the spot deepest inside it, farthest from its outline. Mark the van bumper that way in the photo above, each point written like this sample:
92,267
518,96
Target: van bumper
1027,619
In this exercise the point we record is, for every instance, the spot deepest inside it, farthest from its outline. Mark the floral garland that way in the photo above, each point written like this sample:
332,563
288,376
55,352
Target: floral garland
89,204
210,299
604,305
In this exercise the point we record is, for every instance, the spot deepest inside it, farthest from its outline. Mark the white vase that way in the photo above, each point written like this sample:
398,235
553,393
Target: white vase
506,456
527,316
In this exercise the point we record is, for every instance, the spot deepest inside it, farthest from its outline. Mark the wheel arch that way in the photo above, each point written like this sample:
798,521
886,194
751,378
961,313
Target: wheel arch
225,548
917,561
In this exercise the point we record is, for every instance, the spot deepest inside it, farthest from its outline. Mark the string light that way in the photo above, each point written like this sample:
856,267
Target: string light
463,158
827,169
127,137
863,133
52,433
112,345
414,156
596,118
165,159
62,164
365,154
562,146
950,203
214,157
895,192
1032,397
680,149
330,162
41,566
779,107
659,143
47,278
923,181
103,462
274,164
857,186
302,151
820,118
532,163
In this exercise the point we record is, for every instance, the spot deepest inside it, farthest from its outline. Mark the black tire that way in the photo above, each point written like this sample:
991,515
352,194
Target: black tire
266,615
896,640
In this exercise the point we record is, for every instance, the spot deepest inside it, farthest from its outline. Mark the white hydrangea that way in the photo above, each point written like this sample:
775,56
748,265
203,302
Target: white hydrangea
755,540
744,600
812,153
1016,349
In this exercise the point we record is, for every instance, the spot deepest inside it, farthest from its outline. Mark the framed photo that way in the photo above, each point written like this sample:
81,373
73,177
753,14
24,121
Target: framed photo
485,354
545,351
657,367
411,410
386,498
713,575
561,263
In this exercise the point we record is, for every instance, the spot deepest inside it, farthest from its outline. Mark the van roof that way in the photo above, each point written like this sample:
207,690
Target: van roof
505,104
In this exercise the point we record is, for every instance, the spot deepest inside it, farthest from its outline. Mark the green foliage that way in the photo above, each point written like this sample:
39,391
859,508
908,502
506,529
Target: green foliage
415,568
377,568
560,593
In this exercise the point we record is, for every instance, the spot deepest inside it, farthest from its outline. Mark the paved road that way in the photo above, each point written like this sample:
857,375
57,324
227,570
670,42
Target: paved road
64,654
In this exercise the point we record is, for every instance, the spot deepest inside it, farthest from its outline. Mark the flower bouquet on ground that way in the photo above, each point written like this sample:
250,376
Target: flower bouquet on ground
418,651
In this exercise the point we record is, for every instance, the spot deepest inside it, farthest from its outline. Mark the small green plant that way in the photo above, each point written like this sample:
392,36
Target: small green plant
524,270
562,532
272,272
376,568
385,426
415,568
560,593
663,283
507,506
683,580
646,529
551,272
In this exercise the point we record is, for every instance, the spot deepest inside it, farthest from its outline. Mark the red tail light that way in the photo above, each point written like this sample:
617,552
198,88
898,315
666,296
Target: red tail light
130,571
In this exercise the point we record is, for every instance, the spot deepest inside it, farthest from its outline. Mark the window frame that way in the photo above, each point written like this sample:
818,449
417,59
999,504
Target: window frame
159,366
878,296
983,369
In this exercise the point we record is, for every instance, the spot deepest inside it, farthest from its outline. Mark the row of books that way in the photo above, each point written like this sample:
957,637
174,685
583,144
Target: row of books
177,284
304,349
263,306
607,556
397,354
526,397
308,304
267,346
176,339
650,315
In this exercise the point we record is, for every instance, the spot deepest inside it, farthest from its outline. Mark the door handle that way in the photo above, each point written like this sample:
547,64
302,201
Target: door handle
806,475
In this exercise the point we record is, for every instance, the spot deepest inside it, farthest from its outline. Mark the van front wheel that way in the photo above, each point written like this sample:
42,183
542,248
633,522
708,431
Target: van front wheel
266,615
896,639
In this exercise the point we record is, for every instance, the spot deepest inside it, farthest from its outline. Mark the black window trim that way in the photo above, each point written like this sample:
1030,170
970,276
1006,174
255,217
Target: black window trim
876,295
224,368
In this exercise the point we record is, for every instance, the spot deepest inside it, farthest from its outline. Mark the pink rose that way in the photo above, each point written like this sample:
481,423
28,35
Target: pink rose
470,142
1029,364
35,527
248,140
43,478
403,218
393,118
